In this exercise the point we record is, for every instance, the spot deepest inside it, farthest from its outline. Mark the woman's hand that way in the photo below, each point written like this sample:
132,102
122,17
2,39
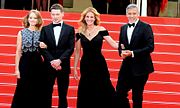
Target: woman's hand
17,74
42,45
76,74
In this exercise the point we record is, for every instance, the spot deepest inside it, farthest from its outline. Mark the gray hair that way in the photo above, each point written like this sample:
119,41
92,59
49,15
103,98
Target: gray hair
131,6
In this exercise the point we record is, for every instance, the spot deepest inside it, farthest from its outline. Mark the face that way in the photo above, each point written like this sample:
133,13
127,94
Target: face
32,19
90,18
56,15
132,15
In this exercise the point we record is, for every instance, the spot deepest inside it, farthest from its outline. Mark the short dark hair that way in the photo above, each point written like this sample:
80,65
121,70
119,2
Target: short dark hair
57,7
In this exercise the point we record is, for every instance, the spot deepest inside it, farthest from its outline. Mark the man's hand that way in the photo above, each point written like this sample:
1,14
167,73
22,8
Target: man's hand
42,45
56,64
126,53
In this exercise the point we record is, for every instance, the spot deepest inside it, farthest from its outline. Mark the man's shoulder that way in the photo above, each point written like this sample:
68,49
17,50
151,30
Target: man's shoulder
144,23
67,25
123,26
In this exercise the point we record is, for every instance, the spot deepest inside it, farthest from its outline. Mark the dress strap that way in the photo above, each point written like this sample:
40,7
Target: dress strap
104,33
78,36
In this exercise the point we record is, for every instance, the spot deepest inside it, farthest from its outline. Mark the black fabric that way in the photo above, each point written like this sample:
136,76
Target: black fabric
118,7
31,86
95,89
100,6
104,33
78,35
54,25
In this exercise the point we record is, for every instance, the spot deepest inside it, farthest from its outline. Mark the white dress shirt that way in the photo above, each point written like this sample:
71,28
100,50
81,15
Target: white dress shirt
130,31
57,32
129,34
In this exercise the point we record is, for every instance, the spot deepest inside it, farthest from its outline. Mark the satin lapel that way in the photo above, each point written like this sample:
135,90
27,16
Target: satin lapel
62,34
135,33
125,35
51,31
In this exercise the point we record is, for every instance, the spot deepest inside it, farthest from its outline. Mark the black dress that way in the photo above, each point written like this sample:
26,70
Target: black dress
95,89
29,89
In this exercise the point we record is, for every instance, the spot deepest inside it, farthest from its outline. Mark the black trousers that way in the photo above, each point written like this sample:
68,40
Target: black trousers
62,79
124,85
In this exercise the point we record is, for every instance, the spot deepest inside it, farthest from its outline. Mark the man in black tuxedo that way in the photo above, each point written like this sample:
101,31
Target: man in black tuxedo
59,38
136,43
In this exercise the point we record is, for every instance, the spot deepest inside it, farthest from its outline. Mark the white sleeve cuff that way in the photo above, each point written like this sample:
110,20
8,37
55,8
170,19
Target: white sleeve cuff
132,54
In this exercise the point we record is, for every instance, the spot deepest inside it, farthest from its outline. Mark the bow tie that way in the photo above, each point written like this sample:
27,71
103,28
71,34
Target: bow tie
54,25
133,24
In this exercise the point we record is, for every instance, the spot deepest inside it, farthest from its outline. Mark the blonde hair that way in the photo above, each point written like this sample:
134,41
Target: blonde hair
82,22
39,22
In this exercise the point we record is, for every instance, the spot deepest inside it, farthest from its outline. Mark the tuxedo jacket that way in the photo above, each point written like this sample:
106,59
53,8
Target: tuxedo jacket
63,50
142,44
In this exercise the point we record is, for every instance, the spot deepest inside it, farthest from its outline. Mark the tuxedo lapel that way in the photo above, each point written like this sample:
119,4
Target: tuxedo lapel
51,31
135,32
125,35
62,34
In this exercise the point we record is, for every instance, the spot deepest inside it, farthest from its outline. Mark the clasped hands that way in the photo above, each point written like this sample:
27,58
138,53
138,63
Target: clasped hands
56,64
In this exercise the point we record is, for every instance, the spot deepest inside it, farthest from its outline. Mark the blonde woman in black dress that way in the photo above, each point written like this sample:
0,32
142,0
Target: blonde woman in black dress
95,89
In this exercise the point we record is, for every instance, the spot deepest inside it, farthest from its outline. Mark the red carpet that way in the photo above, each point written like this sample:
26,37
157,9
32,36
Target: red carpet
163,87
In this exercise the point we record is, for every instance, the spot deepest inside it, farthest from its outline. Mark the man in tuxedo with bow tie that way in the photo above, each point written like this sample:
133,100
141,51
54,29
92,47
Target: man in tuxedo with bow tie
59,38
136,43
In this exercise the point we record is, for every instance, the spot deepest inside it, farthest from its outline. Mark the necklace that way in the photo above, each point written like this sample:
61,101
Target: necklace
90,32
